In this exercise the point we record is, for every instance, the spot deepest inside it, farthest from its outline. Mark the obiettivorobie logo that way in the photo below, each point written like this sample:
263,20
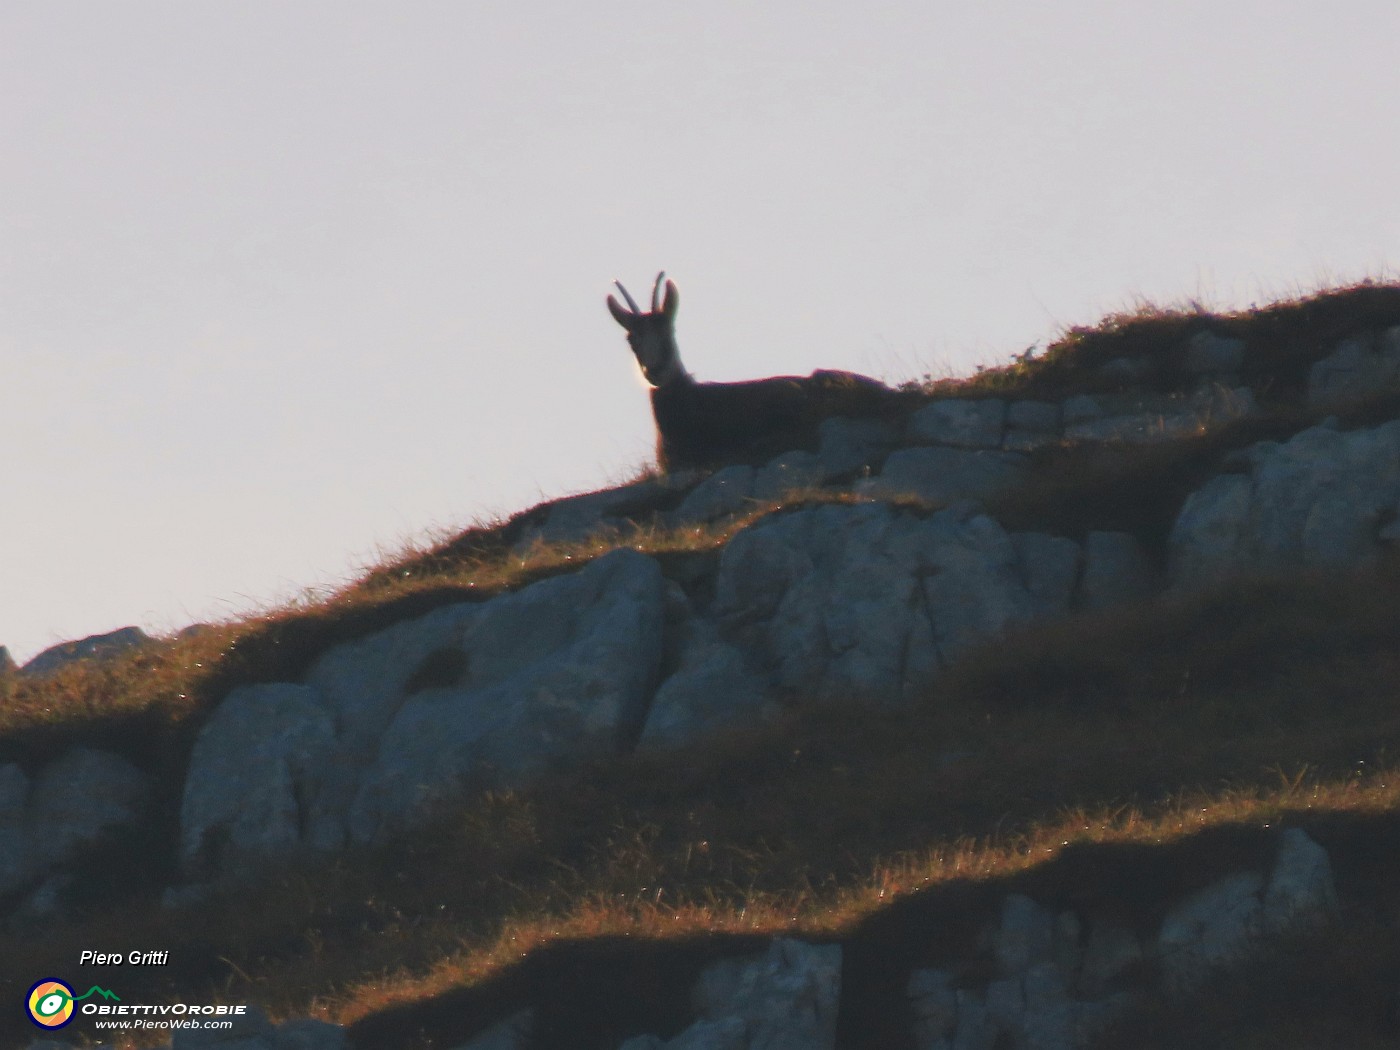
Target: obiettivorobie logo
51,1001
52,1004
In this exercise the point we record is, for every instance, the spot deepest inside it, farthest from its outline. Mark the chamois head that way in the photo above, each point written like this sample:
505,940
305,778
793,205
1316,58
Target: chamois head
652,335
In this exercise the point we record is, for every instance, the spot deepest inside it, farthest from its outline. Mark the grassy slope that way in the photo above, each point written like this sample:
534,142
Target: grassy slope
1078,760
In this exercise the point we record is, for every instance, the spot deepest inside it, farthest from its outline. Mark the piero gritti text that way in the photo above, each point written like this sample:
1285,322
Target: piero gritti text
133,958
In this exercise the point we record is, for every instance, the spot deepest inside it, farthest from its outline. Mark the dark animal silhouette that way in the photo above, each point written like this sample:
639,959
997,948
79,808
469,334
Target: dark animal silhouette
710,424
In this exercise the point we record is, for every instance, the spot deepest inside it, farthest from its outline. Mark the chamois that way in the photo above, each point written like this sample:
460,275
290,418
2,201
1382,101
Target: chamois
709,424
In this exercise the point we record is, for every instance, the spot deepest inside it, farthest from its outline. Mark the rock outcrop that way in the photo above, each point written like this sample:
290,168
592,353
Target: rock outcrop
1325,497
1062,977
864,594
68,807
382,728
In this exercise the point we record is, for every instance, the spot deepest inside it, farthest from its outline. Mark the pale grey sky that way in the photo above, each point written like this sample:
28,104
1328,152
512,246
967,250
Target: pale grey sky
283,284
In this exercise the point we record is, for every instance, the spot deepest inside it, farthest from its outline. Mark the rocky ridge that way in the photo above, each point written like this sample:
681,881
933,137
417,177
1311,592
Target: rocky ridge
861,600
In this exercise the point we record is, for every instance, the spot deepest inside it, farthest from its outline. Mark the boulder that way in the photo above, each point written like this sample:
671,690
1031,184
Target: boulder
1026,935
1144,419
727,1033
1359,366
1211,532
1031,425
1112,951
559,670
307,1033
961,424
1321,498
1301,894
1041,416
1050,567
94,647
1081,408
934,1003
1211,929
255,773
711,690
790,472
513,1033
849,446
785,999
942,475
576,518
724,493
79,798
474,694
843,602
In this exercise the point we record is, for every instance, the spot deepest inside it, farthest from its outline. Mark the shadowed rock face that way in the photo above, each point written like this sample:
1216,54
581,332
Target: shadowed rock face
1325,497
473,694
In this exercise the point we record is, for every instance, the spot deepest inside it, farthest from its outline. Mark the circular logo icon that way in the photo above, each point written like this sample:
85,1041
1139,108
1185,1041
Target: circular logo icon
50,1003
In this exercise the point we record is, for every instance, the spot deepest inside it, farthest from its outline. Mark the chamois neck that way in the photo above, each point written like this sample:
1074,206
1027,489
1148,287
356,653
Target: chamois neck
672,375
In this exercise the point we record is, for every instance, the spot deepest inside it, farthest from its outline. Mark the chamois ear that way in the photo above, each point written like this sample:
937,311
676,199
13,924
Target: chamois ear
620,315
671,303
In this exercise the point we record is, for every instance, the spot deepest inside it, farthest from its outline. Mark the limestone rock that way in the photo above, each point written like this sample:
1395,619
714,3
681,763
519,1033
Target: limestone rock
511,1034
785,999
1301,893
723,493
1359,366
976,1030
848,602
1081,408
1211,534
1031,425
1112,951
790,472
959,423
558,670
1044,416
1050,567
852,445
711,690
307,1033
253,774
1144,419
575,518
934,1003
80,797
726,1033
1211,929
941,474
1318,499
1026,935
93,647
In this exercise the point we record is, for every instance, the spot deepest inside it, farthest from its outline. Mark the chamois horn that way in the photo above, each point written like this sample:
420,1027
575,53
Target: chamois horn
656,292
630,301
